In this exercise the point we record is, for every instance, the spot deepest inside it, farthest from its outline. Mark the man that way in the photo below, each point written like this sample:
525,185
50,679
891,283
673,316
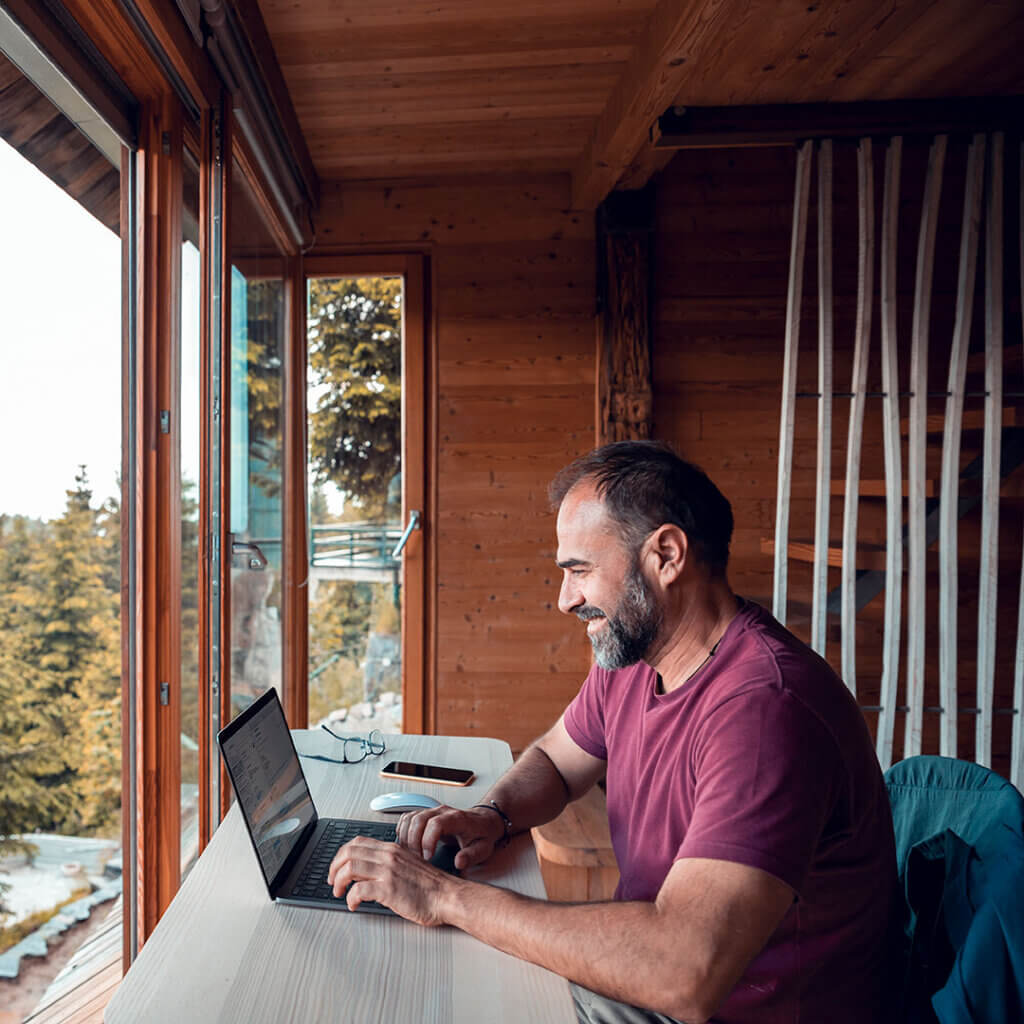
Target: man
747,810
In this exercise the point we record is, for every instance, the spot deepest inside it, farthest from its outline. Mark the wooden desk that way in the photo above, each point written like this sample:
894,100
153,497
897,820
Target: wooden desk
225,952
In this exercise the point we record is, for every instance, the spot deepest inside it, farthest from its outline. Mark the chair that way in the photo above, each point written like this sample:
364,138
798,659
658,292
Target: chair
960,853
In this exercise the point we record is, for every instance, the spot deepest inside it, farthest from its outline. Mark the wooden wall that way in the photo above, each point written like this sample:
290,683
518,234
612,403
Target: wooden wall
513,294
721,266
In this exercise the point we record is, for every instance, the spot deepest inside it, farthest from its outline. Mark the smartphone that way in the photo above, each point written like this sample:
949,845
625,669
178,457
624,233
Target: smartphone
427,773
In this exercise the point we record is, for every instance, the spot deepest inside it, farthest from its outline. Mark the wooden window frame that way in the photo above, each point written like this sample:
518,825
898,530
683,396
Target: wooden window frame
419,431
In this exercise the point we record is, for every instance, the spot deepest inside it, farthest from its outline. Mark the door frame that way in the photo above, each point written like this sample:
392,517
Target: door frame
419,489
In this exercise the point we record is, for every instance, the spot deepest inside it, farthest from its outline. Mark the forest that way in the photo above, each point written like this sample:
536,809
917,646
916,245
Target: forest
60,670
60,582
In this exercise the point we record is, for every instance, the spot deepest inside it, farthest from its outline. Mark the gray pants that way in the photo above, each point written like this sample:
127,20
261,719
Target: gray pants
594,1009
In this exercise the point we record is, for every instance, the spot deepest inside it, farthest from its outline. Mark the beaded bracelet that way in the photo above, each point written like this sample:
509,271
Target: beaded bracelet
492,806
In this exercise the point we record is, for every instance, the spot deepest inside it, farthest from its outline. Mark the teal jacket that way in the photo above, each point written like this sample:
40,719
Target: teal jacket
960,852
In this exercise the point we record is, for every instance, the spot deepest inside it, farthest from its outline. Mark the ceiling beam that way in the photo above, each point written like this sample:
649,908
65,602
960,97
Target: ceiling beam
677,29
784,124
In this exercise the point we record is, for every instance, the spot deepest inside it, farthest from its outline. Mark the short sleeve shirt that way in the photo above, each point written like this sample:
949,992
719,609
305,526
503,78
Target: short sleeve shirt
761,758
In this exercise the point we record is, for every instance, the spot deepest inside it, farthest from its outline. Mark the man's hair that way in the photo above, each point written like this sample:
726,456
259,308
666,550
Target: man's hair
644,484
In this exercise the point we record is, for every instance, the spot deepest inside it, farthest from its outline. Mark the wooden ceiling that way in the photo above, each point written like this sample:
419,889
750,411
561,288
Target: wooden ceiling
395,89
33,126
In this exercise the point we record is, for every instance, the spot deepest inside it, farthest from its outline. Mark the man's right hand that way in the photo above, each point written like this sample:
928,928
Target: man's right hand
476,831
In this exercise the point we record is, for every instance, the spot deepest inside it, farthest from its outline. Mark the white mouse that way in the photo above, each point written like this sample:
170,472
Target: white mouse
397,803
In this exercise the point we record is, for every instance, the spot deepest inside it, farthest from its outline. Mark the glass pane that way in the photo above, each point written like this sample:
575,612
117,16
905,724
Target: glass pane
355,501
257,366
60,525
190,476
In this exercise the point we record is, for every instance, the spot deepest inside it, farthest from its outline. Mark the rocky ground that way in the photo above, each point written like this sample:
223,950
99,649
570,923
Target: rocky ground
19,997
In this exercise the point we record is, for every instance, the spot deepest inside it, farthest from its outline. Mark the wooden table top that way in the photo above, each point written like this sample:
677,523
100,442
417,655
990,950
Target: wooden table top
224,952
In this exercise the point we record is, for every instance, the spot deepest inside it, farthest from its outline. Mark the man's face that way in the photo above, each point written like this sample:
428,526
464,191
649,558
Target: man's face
603,583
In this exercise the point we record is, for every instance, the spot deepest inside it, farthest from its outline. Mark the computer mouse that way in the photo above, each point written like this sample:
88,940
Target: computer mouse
398,803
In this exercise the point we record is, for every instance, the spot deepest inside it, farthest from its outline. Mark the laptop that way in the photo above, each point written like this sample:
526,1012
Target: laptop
293,844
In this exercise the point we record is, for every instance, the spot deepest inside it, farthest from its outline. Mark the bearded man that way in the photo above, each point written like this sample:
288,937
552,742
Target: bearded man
746,806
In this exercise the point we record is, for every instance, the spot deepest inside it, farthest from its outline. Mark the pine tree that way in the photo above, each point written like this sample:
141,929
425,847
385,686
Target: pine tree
30,747
69,631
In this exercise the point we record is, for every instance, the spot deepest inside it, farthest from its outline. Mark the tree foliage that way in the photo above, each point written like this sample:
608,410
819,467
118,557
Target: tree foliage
355,365
60,747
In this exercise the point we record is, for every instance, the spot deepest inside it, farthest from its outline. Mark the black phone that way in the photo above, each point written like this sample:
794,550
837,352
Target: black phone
427,773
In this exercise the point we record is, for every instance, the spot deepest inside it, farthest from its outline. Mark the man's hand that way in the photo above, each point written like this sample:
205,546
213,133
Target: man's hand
476,831
390,874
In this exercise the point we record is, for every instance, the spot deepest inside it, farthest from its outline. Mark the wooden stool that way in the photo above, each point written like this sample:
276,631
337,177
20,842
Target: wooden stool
575,851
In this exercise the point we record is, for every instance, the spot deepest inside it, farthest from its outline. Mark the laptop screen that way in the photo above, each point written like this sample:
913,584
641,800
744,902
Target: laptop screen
271,790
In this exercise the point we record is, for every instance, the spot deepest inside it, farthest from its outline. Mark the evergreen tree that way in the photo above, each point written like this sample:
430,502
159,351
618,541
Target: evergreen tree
70,633
30,746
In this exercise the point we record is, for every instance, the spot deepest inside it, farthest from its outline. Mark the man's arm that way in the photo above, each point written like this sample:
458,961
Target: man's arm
680,955
551,771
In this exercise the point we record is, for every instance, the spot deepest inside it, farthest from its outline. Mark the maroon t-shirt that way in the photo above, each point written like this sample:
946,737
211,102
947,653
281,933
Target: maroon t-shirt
762,758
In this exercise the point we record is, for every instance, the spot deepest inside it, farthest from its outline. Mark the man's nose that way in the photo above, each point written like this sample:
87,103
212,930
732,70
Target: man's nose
569,596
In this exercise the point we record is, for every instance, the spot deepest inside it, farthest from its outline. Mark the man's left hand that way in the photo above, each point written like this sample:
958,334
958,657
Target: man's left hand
392,875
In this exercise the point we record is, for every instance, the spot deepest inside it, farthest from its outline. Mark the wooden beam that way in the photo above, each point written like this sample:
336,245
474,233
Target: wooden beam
783,124
623,387
651,80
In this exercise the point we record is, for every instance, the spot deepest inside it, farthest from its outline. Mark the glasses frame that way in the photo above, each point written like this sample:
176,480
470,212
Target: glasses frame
372,745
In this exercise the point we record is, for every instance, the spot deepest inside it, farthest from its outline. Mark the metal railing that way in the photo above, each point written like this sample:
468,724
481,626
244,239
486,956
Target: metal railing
354,545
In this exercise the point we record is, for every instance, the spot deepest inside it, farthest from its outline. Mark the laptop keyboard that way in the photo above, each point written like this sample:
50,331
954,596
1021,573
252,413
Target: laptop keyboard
312,883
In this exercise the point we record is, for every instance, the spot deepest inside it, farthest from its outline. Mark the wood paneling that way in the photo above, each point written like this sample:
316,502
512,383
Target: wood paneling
513,300
33,126
416,88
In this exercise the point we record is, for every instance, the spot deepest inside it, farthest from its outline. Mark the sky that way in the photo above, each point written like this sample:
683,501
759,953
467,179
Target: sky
60,344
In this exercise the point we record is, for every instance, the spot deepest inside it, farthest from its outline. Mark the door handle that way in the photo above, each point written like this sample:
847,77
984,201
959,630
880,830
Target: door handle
414,524
256,560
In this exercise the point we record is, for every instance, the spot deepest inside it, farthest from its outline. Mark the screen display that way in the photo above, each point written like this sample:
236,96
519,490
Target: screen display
271,789
427,772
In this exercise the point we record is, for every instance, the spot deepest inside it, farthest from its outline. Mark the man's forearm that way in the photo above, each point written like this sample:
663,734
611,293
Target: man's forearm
531,792
621,950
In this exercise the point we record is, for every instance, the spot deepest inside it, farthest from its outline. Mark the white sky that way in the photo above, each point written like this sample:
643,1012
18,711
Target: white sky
60,344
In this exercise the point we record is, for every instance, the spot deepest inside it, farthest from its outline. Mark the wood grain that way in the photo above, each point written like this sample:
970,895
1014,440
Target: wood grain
224,952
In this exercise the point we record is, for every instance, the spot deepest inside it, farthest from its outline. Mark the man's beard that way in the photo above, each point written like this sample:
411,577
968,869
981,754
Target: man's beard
628,632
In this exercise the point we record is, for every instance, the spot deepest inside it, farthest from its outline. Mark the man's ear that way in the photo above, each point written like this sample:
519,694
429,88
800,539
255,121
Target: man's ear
668,546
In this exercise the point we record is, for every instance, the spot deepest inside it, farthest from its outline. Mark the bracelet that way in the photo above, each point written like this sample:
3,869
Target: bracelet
492,806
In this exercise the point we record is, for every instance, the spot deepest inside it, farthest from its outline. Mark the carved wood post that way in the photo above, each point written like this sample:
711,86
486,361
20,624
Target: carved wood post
625,221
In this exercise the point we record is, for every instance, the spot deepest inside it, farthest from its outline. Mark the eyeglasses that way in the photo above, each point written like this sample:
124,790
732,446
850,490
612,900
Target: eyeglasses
356,748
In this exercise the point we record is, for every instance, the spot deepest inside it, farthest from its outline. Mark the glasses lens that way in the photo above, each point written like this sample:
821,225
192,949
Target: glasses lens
375,741
355,750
